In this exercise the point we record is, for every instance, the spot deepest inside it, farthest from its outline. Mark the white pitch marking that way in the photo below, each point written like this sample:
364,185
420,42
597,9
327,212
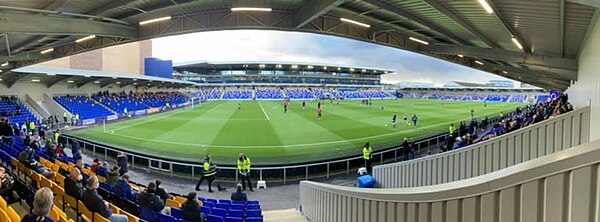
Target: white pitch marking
264,111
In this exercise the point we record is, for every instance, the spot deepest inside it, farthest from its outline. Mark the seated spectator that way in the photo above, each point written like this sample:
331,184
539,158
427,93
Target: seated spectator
6,185
191,210
149,200
26,157
238,195
123,189
51,152
95,165
59,150
73,184
96,204
103,170
161,192
113,176
42,204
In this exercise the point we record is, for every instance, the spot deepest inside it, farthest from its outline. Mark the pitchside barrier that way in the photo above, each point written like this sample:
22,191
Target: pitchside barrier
386,153
543,138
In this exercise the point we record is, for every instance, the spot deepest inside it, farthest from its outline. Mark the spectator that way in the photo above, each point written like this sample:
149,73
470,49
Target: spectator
95,165
77,155
51,152
59,150
123,189
103,170
6,185
26,157
113,176
94,202
161,192
238,195
73,184
42,204
149,200
75,150
123,163
191,210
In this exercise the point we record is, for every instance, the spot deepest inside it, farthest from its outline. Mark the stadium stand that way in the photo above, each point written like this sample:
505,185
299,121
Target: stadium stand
269,94
237,94
13,108
85,106
160,99
120,101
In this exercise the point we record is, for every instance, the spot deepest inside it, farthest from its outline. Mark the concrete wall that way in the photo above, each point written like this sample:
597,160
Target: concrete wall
586,90
127,58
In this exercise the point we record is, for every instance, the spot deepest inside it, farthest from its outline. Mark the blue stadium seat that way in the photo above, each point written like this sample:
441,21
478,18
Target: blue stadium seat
234,219
253,202
225,201
147,214
211,200
253,207
176,212
237,207
209,204
214,218
165,218
205,209
219,212
253,213
236,213
222,205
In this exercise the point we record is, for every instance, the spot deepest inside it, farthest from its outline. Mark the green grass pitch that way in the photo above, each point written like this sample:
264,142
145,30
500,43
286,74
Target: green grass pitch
268,136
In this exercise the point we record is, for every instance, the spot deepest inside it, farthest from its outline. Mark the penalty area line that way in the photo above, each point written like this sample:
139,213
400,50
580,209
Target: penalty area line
261,107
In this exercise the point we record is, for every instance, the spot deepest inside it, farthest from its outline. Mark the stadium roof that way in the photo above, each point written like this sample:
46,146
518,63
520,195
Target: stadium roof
51,76
537,42
242,65
464,84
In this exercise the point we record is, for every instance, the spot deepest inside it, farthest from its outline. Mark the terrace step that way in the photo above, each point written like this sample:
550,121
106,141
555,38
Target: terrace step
286,215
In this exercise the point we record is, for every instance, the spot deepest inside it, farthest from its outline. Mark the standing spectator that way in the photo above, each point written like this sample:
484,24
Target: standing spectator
161,192
42,204
123,163
191,210
243,166
6,185
238,195
75,148
94,202
113,176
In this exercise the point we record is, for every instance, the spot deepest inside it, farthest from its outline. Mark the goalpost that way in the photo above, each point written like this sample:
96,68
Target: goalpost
104,127
193,101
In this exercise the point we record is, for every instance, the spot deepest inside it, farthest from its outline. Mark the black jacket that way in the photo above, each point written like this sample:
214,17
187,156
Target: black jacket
162,193
73,188
190,211
238,196
149,200
94,203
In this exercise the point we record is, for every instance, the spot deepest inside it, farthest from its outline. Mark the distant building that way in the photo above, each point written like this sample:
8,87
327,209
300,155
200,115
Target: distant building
415,85
501,83
457,84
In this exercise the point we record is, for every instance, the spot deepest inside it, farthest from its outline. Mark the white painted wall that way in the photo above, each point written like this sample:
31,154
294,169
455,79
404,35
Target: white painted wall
586,90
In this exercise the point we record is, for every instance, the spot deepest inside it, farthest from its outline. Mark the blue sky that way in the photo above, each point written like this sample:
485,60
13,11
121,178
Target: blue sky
259,45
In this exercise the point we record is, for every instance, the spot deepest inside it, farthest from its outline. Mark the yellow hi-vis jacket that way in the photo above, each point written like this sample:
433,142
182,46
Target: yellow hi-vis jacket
452,129
367,151
243,166
209,169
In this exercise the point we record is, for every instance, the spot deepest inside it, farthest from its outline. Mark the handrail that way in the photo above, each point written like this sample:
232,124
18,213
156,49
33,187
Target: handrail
563,186
491,155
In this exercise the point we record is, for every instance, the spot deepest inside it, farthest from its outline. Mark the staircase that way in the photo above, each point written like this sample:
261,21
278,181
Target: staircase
287,215
106,107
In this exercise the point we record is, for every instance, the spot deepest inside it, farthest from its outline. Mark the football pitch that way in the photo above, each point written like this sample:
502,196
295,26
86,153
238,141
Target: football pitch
269,136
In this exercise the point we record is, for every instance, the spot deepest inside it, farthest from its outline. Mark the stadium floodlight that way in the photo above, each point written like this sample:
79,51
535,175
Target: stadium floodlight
460,55
114,77
97,82
505,72
87,76
118,83
517,43
324,67
135,83
0,78
363,70
262,66
50,74
478,62
253,9
339,68
355,22
278,66
47,51
351,69
134,80
4,64
294,66
486,6
85,38
70,81
418,40
35,80
155,20
309,67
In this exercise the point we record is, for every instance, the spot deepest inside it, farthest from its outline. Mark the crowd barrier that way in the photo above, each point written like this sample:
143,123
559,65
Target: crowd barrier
559,187
543,138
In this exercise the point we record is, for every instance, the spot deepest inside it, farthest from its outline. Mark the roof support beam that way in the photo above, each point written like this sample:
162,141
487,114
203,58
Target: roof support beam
592,3
56,80
314,9
503,55
85,82
507,27
440,8
22,57
417,20
55,25
110,6
562,27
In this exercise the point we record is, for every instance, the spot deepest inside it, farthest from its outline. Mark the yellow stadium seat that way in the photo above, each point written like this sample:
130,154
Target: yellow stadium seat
179,199
60,179
71,201
131,217
3,216
59,193
86,215
12,214
3,204
173,203
56,213
101,179
100,218
55,167
45,182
